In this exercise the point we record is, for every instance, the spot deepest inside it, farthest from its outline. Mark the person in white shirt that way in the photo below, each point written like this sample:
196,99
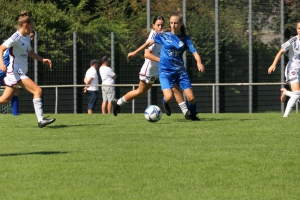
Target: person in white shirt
19,49
91,79
292,70
108,77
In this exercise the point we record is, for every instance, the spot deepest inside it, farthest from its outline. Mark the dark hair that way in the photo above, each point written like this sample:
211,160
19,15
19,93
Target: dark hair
182,28
24,18
158,17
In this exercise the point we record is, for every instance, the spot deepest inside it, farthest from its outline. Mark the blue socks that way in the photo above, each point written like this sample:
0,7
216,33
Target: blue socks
193,109
15,105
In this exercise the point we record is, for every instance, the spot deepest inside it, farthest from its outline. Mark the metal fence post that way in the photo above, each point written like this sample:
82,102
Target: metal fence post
75,71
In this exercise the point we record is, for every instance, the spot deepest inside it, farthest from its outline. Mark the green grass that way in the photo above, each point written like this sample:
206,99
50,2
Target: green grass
224,156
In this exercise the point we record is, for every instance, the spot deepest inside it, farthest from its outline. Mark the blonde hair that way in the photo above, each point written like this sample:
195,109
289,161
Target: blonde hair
24,18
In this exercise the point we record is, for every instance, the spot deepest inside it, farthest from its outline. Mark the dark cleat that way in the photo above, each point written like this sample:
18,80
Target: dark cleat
187,115
167,108
45,122
195,118
116,107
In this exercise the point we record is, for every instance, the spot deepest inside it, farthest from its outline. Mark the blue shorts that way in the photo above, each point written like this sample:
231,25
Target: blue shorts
167,80
2,76
92,98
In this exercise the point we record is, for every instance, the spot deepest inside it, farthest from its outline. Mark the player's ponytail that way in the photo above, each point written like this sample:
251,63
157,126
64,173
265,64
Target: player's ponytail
24,18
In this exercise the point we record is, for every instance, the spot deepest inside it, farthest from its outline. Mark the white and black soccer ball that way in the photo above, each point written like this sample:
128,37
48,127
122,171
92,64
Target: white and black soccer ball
153,113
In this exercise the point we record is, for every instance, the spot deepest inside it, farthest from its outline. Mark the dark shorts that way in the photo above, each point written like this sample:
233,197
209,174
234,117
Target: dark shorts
92,98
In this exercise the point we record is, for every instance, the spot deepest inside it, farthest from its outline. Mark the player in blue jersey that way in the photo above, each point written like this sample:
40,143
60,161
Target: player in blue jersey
19,48
149,73
15,98
171,64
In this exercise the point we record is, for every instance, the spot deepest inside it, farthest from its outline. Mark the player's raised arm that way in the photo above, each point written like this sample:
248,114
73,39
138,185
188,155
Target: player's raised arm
144,46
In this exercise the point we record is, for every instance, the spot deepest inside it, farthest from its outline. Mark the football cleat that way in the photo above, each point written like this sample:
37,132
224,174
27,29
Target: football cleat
166,108
116,107
45,122
187,115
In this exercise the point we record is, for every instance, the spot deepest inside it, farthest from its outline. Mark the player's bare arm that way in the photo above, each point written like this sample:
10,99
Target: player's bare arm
148,54
276,59
144,46
199,63
46,61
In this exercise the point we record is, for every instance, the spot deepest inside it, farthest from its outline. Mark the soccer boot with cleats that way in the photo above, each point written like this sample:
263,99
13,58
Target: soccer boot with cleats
45,122
116,107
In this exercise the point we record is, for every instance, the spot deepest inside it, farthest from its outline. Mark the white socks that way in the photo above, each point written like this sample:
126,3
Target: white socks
292,101
38,108
183,107
121,101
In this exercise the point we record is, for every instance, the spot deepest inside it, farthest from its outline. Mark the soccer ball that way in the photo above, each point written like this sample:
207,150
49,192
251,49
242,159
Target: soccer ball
153,113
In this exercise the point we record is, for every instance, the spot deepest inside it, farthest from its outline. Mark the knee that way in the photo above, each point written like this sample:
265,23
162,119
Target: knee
39,91
191,99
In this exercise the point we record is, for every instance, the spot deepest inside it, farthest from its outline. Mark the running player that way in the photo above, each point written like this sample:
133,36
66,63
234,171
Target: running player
149,73
171,64
292,70
19,48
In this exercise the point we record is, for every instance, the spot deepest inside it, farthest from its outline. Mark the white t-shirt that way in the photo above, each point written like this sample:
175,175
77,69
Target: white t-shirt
106,74
92,72
293,46
18,48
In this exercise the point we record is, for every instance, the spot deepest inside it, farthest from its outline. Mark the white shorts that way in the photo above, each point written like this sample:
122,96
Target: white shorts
12,78
292,74
149,72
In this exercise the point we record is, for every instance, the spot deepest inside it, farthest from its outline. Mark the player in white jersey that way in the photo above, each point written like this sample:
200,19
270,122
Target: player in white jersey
292,70
19,49
149,73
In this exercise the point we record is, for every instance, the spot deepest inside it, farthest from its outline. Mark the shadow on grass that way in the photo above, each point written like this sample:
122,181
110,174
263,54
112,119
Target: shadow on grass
34,153
73,125
213,119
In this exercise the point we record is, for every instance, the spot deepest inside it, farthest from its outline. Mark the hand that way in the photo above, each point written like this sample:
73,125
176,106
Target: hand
130,55
271,69
84,89
201,67
3,68
47,62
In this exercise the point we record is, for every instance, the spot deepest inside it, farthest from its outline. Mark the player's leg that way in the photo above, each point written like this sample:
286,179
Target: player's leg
295,95
180,100
192,104
7,95
15,103
133,94
33,88
186,86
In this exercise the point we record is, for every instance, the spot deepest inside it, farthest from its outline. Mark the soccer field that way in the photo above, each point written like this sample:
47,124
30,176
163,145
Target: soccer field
80,156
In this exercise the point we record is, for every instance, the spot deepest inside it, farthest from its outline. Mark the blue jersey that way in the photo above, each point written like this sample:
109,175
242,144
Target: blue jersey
6,62
173,46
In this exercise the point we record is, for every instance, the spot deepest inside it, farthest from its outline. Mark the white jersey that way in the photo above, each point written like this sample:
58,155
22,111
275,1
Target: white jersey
16,57
293,46
92,72
149,70
106,74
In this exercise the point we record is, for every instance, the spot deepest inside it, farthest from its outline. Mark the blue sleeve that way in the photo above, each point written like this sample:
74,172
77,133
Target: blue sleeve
158,38
190,45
